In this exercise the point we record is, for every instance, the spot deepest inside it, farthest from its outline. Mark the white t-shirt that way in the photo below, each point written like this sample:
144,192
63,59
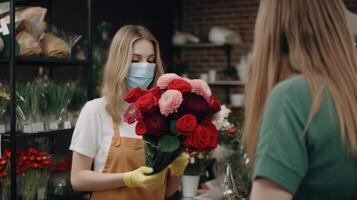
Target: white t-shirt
94,131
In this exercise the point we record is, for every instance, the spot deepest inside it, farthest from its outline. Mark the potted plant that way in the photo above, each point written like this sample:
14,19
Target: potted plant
78,99
198,162
230,154
4,102
27,108
58,98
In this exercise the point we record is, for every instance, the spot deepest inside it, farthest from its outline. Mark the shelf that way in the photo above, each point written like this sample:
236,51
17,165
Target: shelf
22,60
72,195
27,2
19,135
226,83
202,45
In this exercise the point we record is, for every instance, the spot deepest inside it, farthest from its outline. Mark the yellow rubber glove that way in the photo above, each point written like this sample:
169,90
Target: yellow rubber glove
141,178
177,167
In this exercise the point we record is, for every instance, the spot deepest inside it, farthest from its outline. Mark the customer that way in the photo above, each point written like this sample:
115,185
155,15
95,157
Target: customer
301,131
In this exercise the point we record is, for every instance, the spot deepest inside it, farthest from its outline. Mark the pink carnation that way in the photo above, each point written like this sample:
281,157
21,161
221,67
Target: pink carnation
201,88
165,79
170,101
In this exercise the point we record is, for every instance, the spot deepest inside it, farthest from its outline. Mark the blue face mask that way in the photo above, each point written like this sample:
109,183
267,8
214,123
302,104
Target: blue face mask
140,75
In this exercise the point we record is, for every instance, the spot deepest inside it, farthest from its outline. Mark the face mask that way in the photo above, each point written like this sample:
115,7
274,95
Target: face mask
140,75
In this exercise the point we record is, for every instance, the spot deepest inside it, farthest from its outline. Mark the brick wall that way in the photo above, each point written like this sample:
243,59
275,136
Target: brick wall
198,16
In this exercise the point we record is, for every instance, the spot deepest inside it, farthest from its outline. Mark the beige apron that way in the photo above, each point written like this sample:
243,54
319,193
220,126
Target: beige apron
126,154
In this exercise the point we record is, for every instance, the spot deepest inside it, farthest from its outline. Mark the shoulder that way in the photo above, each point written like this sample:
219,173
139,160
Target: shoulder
295,90
95,106
295,86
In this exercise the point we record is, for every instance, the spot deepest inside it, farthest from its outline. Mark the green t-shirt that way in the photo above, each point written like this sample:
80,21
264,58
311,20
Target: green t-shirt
311,165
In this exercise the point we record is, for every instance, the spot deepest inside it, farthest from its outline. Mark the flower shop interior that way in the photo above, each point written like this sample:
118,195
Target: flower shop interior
52,57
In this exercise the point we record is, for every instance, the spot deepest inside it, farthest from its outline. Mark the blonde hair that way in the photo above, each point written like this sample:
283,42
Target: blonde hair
114,87
315,37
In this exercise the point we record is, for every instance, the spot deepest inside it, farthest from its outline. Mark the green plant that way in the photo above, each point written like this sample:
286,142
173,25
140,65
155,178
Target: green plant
79,97
4,102
58,98
27,100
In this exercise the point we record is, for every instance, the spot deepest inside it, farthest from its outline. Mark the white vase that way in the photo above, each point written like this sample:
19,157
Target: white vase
190,185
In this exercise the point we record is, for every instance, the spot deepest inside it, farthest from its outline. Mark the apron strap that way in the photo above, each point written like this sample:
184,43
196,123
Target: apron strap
116,137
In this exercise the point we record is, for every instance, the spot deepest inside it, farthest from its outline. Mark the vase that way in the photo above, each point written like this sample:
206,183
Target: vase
190,185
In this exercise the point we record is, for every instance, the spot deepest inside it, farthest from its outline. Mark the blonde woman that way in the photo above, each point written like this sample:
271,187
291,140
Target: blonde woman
102,140
301,103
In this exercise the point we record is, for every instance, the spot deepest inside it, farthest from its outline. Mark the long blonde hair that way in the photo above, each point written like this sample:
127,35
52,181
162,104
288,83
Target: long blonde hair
116,68
315,37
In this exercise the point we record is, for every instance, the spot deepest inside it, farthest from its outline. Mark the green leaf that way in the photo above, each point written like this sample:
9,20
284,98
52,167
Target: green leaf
173,127
168,143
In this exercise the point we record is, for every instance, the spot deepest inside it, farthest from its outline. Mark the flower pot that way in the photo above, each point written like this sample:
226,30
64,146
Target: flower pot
190,185
237,100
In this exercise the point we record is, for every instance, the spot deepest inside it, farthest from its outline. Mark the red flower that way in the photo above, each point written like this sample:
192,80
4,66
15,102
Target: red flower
7,153
140,128
181,85
156,92
147,103
134,94
33,151
132,114
196,105
186,124
202,139
214,104
155,123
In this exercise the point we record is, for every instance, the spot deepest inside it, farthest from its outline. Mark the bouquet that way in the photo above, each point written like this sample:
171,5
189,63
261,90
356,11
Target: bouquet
229,132
230,154
4,102
174,116
34,166
59,183
27,104
58,98
5,182
4,105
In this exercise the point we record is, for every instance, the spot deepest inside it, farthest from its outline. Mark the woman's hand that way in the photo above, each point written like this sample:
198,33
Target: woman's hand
141,178
177,167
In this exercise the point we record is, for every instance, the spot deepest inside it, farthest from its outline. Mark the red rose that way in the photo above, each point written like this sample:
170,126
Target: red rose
196,105
202,139
155,123
186,124
180,84
156,92
213,138
134,94
214,104
140,128
146,103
